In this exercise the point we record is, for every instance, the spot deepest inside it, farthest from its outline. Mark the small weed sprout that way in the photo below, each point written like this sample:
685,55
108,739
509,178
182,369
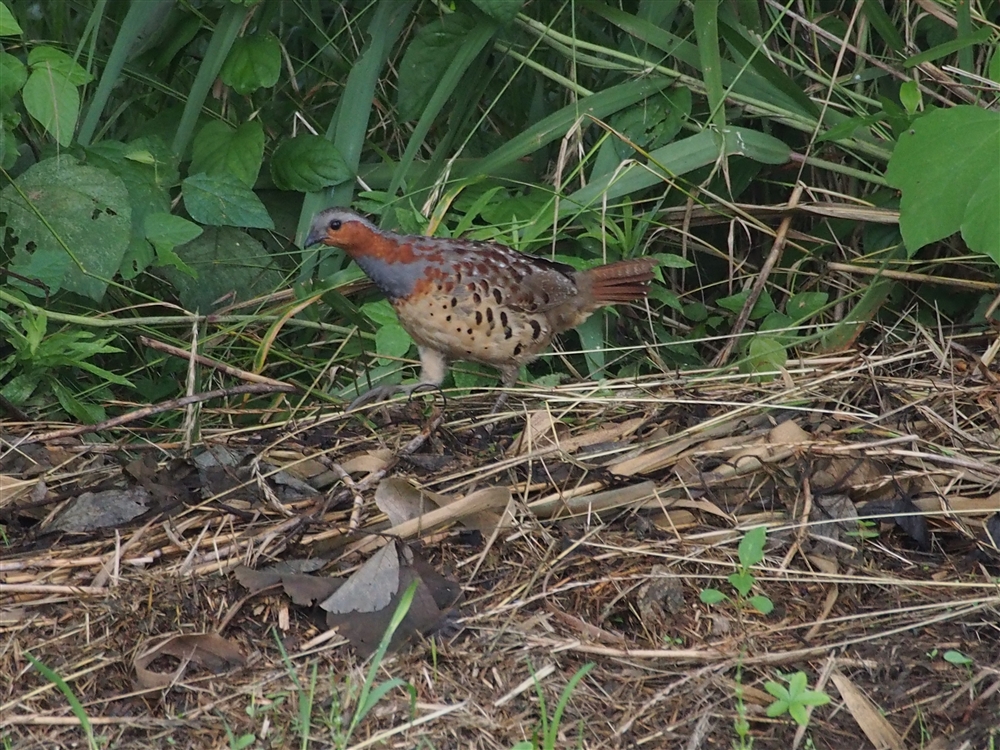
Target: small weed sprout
794,699
547,734
751,552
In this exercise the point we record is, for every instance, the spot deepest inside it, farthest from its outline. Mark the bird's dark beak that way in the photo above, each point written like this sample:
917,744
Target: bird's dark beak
316,234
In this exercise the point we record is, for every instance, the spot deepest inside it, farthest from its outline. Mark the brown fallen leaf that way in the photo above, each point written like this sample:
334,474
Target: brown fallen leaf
362,608
301,588
207,650
871,720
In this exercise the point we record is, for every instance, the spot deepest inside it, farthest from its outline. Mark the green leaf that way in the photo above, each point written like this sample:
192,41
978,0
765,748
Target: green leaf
742,582
88,210
504,11
13,74
956,657
909,96
84,412
735,302
942,50
881,22
426,59
380,313
765,353
712,596
8,24
253,62
165,232
220,200
230,264
804,305
947,165
53,101
751,549
762,604
308,163
392,342
219,149
60,62
8,148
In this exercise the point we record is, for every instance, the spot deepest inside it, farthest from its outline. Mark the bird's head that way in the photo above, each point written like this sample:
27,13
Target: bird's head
339,227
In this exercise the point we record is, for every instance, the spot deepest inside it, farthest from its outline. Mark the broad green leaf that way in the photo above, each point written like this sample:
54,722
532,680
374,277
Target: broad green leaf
8,148
762,604
426,59
742,582
804,305
751,548
253,62
220,200
308,163
59,61
947,165
591,333
765,353
170,230
165,232
87,208
8,24
230,264
391,342
502,10
712,596
13,74
53,101
909,96
219,149
380,313
763,307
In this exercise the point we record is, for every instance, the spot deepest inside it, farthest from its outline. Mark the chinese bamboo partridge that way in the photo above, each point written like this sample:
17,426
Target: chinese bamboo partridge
480,301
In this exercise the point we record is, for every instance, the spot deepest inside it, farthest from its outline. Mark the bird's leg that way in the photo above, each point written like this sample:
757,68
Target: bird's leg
433,368
508,378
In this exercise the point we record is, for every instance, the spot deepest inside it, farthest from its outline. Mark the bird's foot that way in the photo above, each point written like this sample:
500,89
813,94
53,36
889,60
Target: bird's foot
383,392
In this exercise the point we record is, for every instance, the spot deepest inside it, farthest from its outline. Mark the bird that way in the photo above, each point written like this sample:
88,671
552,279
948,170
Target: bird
463,299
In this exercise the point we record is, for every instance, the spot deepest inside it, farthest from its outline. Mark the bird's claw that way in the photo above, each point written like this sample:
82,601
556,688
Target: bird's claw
383,392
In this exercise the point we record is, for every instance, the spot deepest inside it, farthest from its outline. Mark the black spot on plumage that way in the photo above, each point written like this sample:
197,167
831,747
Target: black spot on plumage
536,329
507,333
497,296
469,331
517,350
477,299
454,301
489,315
503,318
447,319
545,298
479,318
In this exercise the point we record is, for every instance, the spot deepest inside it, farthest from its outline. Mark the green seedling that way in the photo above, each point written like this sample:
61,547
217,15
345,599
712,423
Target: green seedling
794,699
750,552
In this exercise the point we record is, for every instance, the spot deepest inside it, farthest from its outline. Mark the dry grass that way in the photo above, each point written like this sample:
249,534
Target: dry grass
683,465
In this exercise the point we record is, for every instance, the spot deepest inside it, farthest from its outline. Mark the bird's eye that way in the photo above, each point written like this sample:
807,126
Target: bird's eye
335,224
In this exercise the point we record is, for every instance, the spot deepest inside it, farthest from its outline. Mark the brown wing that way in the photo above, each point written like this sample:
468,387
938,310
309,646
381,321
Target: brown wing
524,283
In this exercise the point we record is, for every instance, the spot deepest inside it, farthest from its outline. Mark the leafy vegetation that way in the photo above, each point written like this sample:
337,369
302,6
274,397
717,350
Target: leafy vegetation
163,157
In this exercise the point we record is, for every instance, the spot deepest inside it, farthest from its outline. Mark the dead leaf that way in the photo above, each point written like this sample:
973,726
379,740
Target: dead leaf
101,510
557,507
871,720
207,650
401,501
363,607
371,587
11,489
463,511
302,589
